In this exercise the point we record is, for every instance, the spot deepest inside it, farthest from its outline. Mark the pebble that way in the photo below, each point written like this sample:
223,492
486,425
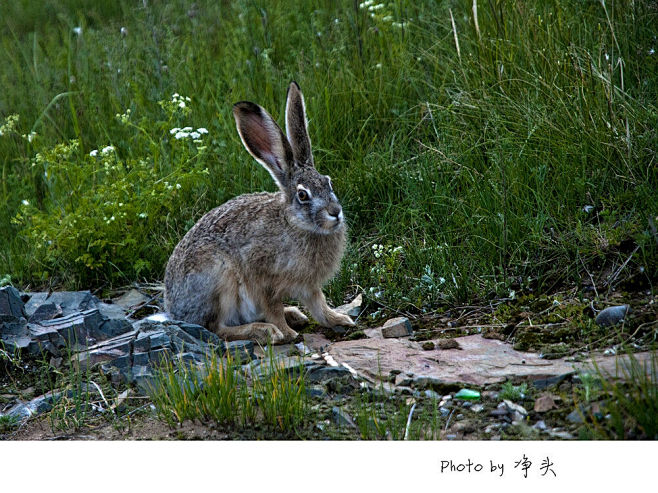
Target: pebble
540,425
476,408
612,315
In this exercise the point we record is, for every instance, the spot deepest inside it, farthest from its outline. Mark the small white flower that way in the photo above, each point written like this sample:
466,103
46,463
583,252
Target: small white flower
94,153
607,57
181,135
107,149
202,130
652,51
174,130
186,129
175,96
77,30
181,104
195,135
177,186
124,31
143,215
25,202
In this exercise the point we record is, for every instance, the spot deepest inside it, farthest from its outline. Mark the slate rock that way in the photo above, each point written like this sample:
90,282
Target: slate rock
45,311
240,350
612,315
321,373
12,307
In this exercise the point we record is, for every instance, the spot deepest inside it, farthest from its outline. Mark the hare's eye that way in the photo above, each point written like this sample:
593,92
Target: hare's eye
302,195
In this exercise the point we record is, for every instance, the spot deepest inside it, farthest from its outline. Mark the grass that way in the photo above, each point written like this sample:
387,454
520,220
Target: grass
626,409
474,145
228,393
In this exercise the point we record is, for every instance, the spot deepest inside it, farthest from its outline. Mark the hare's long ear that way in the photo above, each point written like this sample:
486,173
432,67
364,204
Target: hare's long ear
264,140
296,126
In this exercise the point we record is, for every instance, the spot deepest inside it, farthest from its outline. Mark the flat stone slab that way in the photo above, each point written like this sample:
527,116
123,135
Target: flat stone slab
480,361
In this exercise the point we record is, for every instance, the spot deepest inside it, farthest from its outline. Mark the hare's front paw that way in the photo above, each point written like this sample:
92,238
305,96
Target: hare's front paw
334,318
295,317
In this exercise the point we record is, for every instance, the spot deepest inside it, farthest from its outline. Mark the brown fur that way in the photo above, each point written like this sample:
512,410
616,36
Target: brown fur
233,269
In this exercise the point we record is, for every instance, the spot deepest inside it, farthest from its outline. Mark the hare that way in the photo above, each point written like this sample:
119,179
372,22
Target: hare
233,269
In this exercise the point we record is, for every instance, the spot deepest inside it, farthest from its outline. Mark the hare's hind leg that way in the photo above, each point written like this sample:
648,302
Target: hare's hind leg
261,332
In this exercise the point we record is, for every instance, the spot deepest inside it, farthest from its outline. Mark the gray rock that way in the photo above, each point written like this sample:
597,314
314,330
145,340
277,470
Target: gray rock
321,373
540,425
612,315
476,408
45,311
433,383
11,304
397,327
512,408
432,395
351,309
131,299
240,350
73,301
341,418
317,391
575,417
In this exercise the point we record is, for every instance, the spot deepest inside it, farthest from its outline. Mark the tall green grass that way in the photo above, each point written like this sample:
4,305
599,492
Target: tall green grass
474,143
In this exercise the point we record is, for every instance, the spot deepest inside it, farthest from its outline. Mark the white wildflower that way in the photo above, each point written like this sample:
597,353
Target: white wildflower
124,31
94,153
143,215
178,186
174,130
186,129
195,135
181,104
652,51
77,30
181,135
25,202
202,130
107,149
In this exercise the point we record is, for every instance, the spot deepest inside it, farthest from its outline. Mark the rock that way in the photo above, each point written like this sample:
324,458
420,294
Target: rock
131,299
432,395
612,315
490,395
11,306
512,407
433,383
316,391
242,351
72,301
45,311
341,418
544,402
540,425
351,309
428,346
575,417
480,362
397,327
374,333
448,344
321,373
476,408
557,433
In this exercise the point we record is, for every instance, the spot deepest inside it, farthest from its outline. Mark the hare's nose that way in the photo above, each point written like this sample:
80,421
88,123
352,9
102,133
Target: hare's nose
335,212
